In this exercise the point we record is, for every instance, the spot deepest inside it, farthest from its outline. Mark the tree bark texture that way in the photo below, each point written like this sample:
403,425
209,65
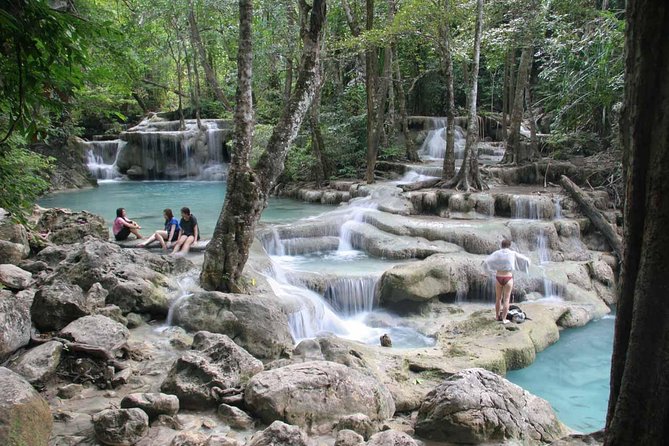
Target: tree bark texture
513,145
639,401
248,189
317,143
598,220
469,176
447,64
505,93
410,147
371,81
208,70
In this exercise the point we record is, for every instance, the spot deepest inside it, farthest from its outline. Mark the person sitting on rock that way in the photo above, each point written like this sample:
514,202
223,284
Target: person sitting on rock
190,232
123,227
169,234
503,262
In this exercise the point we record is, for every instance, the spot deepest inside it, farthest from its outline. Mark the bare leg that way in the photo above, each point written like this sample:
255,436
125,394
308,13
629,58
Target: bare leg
498,300
189,242
148,241
178,244
136,232
506,291
161,236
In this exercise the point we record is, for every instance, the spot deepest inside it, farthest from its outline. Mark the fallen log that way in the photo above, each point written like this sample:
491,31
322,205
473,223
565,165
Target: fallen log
420,185
595,216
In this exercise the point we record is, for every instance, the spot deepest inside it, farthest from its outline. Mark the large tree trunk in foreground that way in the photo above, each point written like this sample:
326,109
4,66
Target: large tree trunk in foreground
513,145
371,81
447,63
639,400
469,176
208,70
248,189
598,220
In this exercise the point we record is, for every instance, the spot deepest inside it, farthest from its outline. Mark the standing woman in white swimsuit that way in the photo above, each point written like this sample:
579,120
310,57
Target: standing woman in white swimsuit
503,262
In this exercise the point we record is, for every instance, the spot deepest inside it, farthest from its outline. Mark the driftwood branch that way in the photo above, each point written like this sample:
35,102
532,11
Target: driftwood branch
595,216
420,185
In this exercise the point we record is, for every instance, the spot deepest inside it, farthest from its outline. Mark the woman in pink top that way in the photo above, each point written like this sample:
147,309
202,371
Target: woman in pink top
123,227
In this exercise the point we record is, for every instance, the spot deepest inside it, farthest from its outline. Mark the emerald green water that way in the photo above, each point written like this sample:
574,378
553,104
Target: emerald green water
573,375
144,201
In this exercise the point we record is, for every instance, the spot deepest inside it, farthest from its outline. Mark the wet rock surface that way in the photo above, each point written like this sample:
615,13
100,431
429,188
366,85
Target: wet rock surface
280,434
120,427
14,320
154,404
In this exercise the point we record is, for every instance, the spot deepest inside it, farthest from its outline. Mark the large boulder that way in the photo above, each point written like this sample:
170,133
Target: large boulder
13,277
154,404
478,406
280,434
14,320
216,364
257,323
98,330
59,303
120,427
391,438
316,394
14,245
136,280
65,226
39,364
25,418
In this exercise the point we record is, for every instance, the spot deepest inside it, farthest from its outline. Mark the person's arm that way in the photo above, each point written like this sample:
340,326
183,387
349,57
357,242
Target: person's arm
173,228
522,262
196,229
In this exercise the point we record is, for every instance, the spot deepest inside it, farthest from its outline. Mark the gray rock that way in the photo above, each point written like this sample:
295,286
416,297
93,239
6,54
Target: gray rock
39,364
280,434
220,440
121,377
112,312
14,320
14,245
135,279
134,320
359,423
13,277
97,330
391,438
217,364
66,226
317,394
347,437
120,427
13,253
154,404
25,418
69,391
255,322
189,439
58,304
478,406
234,417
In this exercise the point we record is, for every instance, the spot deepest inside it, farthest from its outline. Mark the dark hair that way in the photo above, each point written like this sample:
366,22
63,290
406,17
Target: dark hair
119,212
185,210
168,213
506,243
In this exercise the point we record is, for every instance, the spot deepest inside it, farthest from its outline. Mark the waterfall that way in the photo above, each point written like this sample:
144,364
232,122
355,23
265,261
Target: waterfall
351,295
558,207
434,145
525,207
101,158
358,211
273,244
542,247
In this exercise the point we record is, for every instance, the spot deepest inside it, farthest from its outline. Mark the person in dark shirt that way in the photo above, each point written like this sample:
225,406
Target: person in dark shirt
169,235
190,232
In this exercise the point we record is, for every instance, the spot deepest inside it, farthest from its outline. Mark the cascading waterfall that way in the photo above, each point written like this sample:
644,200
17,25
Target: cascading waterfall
101,158
525,207
350,296
359,209
434,145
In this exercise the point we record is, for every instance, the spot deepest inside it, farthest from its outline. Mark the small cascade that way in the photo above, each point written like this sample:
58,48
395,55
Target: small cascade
434,145
187,285
273,244
542,247
359,208
215,137
351,295
525,207
101,157
558,207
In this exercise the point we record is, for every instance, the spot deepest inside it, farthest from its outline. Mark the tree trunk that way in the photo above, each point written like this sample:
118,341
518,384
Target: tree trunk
195,85
505,94
288,85
534,140
512,153
208,70
317,143
371,80
468,176
639,400
411,153
447,63
248,189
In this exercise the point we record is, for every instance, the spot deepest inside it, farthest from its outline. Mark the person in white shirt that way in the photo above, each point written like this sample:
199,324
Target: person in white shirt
503,262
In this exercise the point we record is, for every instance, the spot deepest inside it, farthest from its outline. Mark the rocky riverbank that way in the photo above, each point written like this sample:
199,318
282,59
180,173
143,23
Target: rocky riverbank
83,322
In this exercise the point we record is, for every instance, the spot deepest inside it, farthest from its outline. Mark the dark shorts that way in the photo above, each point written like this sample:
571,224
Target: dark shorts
175,237
122,234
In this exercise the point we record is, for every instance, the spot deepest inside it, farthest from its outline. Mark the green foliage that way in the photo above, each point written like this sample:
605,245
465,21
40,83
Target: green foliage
23,177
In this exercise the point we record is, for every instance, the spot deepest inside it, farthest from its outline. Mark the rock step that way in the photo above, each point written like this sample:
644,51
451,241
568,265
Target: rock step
199,246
